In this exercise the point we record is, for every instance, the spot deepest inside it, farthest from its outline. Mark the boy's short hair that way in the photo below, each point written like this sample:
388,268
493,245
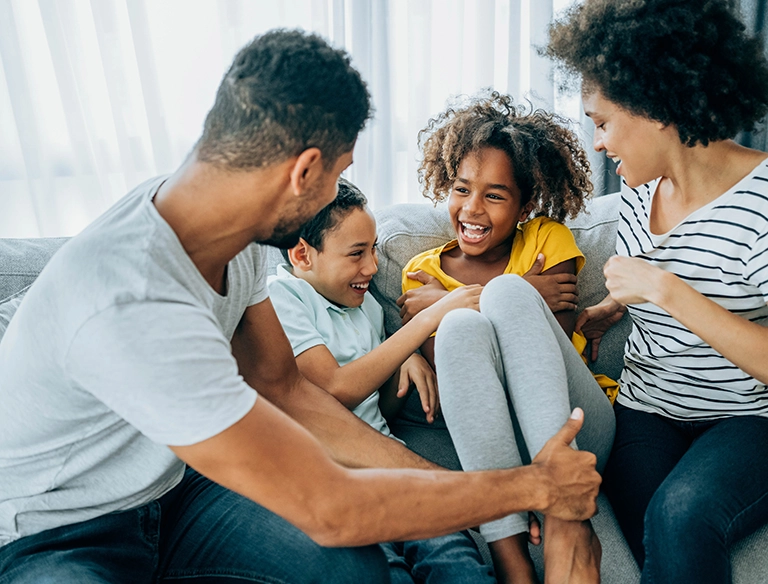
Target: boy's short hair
285,91
348,198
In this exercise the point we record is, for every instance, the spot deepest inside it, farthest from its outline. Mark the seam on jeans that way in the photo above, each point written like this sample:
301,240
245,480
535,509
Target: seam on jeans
738,516
221,573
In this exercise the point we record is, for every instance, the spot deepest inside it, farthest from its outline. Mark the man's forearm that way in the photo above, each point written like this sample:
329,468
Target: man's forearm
349,440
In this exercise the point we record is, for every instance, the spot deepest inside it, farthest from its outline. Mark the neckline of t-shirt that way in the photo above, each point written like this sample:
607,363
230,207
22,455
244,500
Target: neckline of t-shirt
704,208
173,238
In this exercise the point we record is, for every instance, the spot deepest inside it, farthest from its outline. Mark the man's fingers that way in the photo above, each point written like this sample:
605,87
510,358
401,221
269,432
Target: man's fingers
595,346
568,432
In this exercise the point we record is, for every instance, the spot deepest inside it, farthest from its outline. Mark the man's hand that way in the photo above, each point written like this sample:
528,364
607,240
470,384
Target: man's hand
557,290
416,300
569,476
417,371
595,320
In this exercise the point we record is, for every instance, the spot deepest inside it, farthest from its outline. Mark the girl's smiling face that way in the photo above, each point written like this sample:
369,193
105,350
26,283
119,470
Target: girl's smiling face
485,204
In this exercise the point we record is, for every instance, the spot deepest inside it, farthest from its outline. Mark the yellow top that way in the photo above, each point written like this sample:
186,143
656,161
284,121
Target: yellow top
539,235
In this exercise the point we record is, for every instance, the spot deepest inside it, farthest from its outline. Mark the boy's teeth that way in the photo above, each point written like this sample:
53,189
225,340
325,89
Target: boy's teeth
363,286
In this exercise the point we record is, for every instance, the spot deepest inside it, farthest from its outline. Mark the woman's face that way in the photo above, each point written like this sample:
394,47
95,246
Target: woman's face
638,145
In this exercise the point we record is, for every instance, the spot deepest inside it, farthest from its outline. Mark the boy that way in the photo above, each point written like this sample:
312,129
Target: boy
336,330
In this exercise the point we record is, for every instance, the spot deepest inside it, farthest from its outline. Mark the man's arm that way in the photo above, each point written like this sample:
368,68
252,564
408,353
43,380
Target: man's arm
270,459
266,362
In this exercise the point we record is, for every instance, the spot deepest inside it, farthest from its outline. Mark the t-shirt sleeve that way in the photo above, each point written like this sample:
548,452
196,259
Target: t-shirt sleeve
260,266
756,270
425,261
295,315
558,245
165,368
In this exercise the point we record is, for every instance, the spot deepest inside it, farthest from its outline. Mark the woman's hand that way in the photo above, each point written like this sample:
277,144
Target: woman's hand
416,300
417,371
634,281
558,289
595,320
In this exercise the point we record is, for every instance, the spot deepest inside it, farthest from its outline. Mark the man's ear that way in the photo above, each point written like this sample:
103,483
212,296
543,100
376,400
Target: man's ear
300,255
307,168
525,211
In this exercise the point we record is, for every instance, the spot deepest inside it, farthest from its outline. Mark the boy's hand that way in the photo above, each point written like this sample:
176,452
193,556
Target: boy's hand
416,370
557,290
416,300
462,297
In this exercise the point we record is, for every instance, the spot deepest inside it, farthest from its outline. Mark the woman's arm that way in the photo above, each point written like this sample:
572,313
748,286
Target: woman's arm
355,381
743,343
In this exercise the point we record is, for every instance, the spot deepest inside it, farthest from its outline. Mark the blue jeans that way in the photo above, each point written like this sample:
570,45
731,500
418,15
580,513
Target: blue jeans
198,532
450,559
683,492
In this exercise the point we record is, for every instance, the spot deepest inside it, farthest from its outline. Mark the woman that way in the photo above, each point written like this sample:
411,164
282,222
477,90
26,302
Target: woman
668,83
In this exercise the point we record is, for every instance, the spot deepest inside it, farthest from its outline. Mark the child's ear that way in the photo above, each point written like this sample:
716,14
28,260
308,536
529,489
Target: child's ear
525,211
300,256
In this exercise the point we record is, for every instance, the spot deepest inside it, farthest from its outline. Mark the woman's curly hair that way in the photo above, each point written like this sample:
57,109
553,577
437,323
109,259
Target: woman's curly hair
550,167
689,63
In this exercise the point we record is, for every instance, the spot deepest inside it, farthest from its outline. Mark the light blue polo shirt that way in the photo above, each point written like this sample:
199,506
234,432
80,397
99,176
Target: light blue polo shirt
309,319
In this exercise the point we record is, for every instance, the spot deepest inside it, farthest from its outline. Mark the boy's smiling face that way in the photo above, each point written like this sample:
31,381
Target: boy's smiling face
485,204
342,271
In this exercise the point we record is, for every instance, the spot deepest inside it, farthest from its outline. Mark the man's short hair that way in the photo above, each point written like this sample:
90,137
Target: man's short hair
348,198
286,91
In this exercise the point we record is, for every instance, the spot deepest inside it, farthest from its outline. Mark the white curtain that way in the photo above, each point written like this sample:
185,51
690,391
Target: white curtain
98,95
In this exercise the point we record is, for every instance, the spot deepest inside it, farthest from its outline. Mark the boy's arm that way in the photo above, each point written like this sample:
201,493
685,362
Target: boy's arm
355,381
266,362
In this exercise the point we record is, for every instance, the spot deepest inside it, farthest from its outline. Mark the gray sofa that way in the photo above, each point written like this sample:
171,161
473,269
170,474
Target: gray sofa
405,230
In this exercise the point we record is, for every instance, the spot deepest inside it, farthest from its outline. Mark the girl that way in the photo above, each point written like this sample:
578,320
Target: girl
497,167
668,84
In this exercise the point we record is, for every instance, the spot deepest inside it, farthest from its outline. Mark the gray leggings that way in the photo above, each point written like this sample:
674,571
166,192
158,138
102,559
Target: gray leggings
512,361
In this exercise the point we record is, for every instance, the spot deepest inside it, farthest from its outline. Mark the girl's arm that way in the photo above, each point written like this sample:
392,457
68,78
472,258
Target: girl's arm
743,343
355,381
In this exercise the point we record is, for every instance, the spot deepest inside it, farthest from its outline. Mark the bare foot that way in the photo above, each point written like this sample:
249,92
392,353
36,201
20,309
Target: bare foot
572,552
511,560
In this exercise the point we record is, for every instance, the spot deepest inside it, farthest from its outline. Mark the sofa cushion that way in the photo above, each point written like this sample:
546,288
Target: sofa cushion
21,260
8,308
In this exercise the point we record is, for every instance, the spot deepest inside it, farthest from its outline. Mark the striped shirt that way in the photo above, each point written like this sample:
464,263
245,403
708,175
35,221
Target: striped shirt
721,250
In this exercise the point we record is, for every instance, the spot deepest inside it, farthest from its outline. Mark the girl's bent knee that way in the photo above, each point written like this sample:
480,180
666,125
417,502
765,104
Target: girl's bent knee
506,289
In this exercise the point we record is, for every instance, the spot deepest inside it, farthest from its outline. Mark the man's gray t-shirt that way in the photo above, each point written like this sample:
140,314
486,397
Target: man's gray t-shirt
119,348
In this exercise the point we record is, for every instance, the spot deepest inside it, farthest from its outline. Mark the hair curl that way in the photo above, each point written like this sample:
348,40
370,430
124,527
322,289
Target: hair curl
550,167
286,91
688,63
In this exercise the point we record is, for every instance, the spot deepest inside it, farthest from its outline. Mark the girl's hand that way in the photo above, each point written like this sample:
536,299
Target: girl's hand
633,280
417,371
557,290
595,320
416,300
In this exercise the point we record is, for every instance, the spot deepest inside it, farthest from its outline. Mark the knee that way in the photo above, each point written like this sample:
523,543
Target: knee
509,290
462,324
674,511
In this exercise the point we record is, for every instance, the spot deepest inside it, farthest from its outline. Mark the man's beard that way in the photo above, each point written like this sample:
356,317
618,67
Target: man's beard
284,236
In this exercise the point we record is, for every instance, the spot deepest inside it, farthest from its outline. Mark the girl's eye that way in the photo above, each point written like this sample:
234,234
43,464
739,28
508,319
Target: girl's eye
495,197
462,190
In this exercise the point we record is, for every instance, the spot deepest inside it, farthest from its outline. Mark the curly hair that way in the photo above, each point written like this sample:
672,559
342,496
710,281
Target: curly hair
550,167
687,63
286,91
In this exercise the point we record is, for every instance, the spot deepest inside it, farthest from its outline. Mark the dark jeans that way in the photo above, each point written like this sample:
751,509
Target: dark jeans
683,492
199,532
450,559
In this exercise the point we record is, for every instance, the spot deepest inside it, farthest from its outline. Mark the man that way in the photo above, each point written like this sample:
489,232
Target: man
149,342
